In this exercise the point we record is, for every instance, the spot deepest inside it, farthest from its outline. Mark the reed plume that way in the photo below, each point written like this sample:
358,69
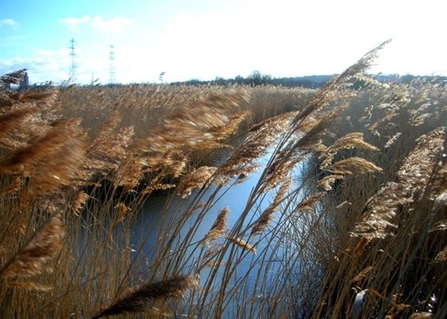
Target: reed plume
30,285
143,138
109,148
79,202
361,275
421,315
325,95
392,140
43,147
196,179
60,170
267,215
197,122
354,165
262,136
348,141
31,259
242,244
122,211
14,120
413,177
138,299
441,256
307,205
218,227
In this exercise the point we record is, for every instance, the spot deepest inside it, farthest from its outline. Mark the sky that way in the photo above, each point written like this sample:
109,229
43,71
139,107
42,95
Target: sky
205,39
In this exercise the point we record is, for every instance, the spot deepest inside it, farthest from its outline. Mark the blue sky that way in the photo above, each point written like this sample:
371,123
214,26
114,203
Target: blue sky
203,39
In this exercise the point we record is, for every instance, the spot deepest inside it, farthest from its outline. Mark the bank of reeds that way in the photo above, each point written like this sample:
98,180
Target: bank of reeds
388,241
346,216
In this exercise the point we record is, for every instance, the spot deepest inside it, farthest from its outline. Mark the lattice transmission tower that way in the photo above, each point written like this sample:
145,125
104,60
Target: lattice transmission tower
112,65
73,66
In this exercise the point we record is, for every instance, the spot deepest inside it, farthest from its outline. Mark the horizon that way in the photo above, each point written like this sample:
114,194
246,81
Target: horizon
229,81
195,40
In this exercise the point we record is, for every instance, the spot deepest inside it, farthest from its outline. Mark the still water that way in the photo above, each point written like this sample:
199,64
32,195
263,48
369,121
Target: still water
159,214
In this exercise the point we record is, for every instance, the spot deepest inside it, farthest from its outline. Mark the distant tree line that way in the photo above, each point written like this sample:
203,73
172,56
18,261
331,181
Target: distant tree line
256,78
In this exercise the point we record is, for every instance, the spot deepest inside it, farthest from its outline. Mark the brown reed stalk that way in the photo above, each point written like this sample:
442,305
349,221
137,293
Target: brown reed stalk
323,96
392,140
267,215
79,202
197,122
44,147
61,170
412,180
13,121
196,179
397,234
242,244
122,211
348,141
108,150
29,285
138,299
441,256
307,204
263,135
354,165
31,259
218,227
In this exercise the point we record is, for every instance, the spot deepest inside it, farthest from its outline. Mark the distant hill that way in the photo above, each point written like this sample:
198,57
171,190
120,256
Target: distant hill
308,81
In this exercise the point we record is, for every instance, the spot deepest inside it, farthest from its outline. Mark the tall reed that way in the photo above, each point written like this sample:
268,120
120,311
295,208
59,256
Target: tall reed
346,215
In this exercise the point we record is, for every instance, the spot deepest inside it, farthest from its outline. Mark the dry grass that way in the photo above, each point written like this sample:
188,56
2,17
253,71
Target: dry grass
347,214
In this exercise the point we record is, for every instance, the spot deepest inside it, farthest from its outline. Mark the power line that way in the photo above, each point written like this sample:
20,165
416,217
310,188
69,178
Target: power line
112,65
73,67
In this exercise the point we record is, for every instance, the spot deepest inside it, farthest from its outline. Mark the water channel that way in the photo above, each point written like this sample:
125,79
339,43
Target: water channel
153,223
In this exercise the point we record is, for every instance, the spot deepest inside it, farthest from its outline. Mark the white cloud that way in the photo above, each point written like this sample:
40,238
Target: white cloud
290,38
73,23
112,25
42,66
10,23
281,39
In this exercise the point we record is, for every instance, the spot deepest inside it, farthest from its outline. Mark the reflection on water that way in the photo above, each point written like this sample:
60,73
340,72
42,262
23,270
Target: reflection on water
161,207
161,212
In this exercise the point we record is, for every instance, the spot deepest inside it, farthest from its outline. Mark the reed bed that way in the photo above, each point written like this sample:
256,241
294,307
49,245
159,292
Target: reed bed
385,262
346,216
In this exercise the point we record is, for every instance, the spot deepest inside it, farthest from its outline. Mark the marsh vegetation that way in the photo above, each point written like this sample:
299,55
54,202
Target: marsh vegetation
346,213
